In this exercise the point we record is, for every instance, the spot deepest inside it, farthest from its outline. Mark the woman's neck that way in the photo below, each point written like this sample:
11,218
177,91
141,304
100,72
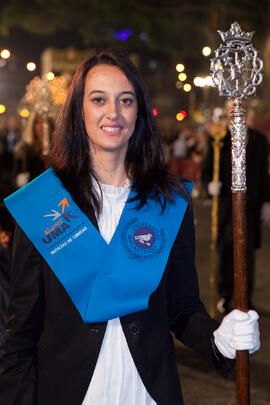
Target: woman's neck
109,169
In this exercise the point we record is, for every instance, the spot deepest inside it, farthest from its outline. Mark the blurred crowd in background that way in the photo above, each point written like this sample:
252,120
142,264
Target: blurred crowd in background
186,150
22,150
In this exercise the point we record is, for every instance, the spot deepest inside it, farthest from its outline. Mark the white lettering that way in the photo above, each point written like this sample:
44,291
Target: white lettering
58,248
80,232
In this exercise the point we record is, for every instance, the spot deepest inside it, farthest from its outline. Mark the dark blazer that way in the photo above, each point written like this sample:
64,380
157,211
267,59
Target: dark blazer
49,354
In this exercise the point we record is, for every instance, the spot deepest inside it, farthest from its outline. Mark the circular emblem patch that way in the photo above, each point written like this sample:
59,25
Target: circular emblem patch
144,237
142,240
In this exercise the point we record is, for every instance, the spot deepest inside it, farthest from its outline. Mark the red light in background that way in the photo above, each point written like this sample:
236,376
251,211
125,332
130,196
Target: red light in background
181,115
155,112
184,113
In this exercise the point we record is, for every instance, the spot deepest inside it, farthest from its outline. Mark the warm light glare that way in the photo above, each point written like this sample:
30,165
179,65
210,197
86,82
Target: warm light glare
180,67
206,51
199,81
203,81
2,108
24,113
187,87
208,81
182,77
50,76
5,54
180,116
31,66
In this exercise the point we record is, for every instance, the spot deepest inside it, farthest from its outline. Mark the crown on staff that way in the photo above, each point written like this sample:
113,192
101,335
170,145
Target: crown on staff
236,33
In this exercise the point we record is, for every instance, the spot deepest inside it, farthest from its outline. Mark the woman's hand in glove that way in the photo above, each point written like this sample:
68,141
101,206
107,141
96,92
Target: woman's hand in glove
238,331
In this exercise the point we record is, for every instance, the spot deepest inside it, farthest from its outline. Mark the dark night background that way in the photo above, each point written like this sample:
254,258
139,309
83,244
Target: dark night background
160,33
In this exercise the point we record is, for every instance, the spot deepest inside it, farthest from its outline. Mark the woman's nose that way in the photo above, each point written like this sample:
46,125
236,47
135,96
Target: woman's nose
112,110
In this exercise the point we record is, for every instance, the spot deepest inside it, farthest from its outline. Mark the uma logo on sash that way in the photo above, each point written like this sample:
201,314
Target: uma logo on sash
142,240
61,226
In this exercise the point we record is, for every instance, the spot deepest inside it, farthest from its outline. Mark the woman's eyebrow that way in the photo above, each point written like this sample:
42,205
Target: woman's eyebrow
95,91
121,93
128,92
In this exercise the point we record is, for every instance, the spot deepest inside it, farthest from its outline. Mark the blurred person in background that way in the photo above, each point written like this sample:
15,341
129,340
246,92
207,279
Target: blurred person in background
13,133
258,208
6,236
180,146
29,159
9,138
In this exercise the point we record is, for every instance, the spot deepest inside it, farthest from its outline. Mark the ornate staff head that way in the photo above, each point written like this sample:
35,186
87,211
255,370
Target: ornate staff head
236,68
236,71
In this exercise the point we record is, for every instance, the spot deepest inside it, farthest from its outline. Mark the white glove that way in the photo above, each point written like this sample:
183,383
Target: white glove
238,331
214,187
22,178
265,213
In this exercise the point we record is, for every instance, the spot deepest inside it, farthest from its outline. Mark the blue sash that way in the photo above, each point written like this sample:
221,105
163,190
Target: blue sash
103,281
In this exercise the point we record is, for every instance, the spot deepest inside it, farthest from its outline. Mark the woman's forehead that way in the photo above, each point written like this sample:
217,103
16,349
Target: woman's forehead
106,77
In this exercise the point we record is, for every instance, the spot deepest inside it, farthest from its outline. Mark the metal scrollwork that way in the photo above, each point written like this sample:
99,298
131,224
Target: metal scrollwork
236,68
236,71
238,150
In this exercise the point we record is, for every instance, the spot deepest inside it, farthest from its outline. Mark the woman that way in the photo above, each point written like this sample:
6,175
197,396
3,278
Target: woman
91,323
30,160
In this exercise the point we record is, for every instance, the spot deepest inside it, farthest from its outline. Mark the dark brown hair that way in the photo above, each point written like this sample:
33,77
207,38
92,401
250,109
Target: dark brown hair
145,164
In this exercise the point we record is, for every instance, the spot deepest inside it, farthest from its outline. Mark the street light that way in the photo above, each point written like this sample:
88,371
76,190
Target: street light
5,54
182,77
24,113
180,116
180,67
206,51
50,75
209,81
2,108
31,66
199,81
187,87
203,81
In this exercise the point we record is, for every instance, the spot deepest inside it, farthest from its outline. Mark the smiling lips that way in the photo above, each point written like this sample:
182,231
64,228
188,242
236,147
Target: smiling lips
111,130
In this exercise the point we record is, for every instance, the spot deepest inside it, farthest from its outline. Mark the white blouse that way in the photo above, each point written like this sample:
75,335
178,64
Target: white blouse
116,380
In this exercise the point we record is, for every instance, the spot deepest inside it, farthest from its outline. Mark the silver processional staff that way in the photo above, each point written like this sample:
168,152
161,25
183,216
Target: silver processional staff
236,71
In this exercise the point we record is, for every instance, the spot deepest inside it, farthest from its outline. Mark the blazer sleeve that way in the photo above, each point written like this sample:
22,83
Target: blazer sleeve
25,319
188,318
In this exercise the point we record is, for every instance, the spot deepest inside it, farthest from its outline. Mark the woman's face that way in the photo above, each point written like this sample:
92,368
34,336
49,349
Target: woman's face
109,109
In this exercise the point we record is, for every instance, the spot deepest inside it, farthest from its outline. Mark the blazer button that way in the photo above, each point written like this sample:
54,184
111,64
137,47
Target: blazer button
134,329
94,330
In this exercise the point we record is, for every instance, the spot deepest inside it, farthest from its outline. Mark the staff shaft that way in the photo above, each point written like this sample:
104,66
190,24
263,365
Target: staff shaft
239,130
240,290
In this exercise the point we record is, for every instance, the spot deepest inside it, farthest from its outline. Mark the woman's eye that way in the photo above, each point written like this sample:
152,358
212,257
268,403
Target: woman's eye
98,100
126,101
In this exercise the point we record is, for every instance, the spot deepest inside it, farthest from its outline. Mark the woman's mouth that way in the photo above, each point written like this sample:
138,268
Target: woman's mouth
111,130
